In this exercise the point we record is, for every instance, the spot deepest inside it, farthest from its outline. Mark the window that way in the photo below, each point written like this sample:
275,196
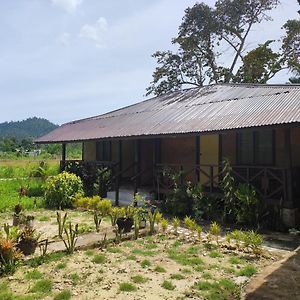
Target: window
103,151
255,148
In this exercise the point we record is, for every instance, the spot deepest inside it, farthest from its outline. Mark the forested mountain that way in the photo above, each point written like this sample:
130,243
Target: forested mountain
26,129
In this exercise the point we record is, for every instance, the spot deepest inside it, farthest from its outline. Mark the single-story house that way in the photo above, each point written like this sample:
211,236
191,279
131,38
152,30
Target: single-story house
255,126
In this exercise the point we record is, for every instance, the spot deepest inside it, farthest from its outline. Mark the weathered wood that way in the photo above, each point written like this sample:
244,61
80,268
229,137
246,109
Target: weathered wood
288,203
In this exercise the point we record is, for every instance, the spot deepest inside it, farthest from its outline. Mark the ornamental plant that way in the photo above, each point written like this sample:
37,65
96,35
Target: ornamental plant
61,190
9,256
215,230
176,223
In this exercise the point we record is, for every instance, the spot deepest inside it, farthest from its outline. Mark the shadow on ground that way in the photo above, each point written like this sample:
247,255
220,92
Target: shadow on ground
280,280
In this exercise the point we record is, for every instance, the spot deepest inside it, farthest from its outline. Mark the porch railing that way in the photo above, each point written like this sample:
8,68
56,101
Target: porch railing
270,182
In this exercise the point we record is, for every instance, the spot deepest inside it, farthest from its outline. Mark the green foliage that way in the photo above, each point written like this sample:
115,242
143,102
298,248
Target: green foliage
145,263
60,266
248,271
42,286
168,285
164,224
190,223
214,254
215,230
9,191
115,213
160,269
178,202
127,287
99,259
241,204
61,222
26,129
228,186
199,53
96,181
176,224
153,217
136,224
9,256
70,237
177,276
35,274
184,257
235,260
221,289
139,279
254,241
63,295
62,189
47,258
246,210
75,278
205,206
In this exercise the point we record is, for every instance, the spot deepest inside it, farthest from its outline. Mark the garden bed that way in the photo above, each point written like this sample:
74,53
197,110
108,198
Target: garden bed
162,266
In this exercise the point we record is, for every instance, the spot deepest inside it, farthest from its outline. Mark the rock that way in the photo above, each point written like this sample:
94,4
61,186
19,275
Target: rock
240,279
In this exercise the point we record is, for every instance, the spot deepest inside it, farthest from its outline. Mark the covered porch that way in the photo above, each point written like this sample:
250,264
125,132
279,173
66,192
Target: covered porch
267,158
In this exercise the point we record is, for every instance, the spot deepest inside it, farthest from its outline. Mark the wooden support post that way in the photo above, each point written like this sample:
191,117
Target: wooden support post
137,164
118,170
197,159
63,157
288,203
82,151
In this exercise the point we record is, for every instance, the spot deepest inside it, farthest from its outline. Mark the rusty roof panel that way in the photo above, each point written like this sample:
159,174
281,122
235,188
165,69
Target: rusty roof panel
205,109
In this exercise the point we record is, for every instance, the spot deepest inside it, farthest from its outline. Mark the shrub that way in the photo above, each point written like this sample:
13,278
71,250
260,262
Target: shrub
164,224
63,295
168,285
9,256
190,223
215,230
61,190
253,241
179,201
248,271
176,223
42,286
127,287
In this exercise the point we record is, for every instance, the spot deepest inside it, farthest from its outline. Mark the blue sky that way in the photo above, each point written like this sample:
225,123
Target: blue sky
70,59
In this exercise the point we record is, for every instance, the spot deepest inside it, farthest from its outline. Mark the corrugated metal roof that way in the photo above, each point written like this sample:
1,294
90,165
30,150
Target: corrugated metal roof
205,109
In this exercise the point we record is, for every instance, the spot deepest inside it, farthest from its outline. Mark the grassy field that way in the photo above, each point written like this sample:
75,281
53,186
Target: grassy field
26,168
9,194
15,174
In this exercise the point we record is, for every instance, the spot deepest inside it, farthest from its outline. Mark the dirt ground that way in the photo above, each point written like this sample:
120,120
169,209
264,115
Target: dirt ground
194,269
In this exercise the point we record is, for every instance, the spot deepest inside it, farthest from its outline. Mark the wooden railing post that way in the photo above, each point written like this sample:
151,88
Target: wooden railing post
211,178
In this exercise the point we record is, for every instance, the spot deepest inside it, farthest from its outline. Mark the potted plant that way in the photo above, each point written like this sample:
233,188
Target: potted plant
28,240
125,222
29,221
17,215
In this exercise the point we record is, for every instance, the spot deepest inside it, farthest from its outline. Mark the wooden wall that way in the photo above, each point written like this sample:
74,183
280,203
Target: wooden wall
89,151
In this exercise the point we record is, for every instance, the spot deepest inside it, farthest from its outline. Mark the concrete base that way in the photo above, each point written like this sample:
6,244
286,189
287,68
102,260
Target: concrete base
289,217
126,195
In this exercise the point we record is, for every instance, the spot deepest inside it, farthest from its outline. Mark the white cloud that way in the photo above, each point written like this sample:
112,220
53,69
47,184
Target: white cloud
68,5
95,32
64,39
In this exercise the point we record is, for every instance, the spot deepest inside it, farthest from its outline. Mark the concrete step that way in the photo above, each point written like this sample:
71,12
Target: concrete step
126,195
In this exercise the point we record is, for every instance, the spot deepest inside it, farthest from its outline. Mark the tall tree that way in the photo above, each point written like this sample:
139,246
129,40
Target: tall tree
204,35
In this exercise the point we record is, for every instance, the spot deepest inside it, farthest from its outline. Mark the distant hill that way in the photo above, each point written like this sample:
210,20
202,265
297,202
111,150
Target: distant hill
26,129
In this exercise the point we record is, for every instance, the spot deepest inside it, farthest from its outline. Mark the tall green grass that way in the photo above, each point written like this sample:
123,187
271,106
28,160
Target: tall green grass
9,194
24,169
